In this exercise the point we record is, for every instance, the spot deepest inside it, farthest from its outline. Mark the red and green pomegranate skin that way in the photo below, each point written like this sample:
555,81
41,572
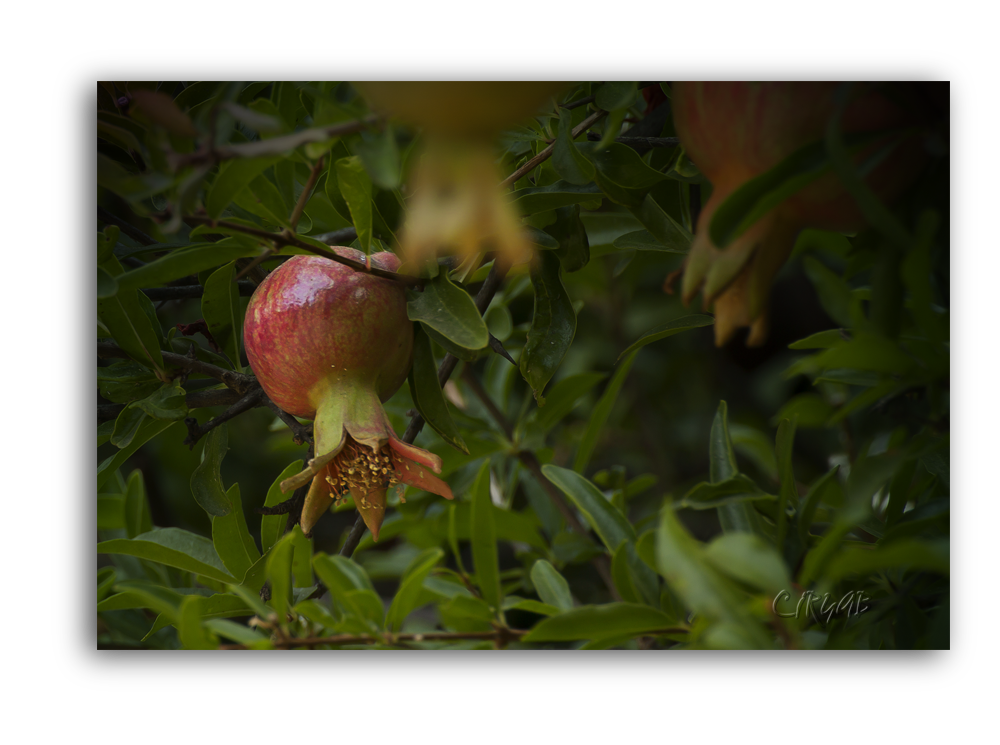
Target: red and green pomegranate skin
330,343
736,131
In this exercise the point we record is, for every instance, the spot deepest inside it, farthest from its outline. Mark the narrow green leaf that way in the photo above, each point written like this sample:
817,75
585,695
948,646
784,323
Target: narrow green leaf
672,236
670,328
450,311
223,312
788,495
553,325
643,240
231,537
136,508
190,628
615,94
622,174
484,541
551,586
238,633
601,412
707,495
569,231
740,515
107,286
173,547
127,426
599,622
563,397
356,189
380,156
234,176
168,402
609,524
123,315
206,480
835,296
537,199
272,526
567,160
427,394
411,587
184,262
147,431
279,574
907,553
751,560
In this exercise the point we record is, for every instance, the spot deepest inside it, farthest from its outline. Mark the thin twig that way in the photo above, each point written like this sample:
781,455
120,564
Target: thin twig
301,432
290,239
237,381
640,141
132,232
545,154
197,431
306,192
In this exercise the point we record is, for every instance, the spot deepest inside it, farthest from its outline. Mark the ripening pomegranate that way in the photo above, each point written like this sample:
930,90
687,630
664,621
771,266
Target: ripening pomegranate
329,343
736,131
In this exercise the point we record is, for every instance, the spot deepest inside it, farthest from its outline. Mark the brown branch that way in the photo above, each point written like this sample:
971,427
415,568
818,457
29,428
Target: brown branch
290,239
545,154
197,431
237,381
300,432
306,192
194,400
530,461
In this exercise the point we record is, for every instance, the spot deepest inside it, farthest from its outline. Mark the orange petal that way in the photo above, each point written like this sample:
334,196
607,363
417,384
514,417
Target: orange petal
318,500
413,453
414,474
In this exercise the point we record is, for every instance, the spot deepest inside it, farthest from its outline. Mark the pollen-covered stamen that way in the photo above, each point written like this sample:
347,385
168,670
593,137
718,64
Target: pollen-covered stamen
361,469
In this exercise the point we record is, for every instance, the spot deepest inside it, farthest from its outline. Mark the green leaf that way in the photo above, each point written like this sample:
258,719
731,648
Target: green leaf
812,499
125,318
673,237
820,340
484,541
427,394
751,560
600,414
834,295
537,199
570,232
615,94
810,409
907,554
734,490
206,480
173,547
234,176
682,562
633,577
450,311
147,431
231,537
167,403
272,526
136,508
668,329
551,586
411,587
356,189
867,352
563,397
609,524
734,516
238,633
380,156
107,286
279,574
223,312
622,174
512,602
598,622
553,325
127,426
567,160
110,511
643,240
126,380
190,628
184,262
788,496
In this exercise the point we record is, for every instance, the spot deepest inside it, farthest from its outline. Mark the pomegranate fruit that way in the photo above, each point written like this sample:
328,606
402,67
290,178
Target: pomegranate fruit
329,343
734,132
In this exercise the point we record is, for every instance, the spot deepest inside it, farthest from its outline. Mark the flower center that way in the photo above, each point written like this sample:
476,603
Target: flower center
362,470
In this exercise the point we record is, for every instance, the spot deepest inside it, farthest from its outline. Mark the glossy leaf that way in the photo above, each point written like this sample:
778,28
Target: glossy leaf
706,495
787,496
635,581
739,515
206,480
223,312
450,311
427,394
192,633
184,262
751,560
127,426
173,547
911,553
484,541
551,586
622,175
553,325
279,574
147,431
669,329
123,315
411,586
609,524
356,189
136,507
600,621
672,236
